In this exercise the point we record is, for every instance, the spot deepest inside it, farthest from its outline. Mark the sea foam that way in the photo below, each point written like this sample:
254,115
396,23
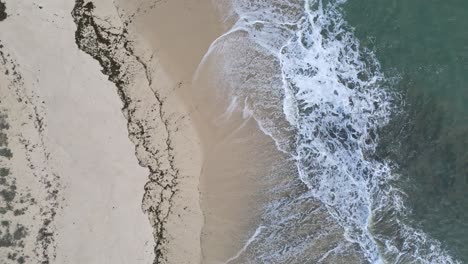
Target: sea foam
323,103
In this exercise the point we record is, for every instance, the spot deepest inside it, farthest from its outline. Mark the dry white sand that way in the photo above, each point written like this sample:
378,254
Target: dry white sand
101,220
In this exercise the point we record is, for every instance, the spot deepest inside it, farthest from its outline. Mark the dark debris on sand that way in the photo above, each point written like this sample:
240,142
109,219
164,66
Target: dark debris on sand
115,53
13,202
3,14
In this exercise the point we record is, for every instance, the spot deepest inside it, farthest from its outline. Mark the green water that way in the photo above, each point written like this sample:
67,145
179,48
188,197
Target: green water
425,44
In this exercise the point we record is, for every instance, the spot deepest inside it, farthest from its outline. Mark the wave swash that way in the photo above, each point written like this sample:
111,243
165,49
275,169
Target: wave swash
323,101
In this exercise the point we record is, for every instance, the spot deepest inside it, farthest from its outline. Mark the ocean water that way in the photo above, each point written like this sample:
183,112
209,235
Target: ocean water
369,101
425,45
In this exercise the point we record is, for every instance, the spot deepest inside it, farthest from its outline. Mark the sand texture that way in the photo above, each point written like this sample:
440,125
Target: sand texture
72,162
107,152
100,161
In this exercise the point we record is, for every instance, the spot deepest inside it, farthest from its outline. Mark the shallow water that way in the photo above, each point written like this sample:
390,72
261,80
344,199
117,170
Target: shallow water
367,99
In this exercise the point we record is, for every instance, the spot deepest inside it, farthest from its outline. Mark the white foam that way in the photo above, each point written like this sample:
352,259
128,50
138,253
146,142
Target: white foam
246,245
333,100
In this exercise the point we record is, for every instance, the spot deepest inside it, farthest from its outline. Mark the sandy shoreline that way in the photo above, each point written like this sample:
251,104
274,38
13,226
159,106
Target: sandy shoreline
163,160
236,156
126,138
216,168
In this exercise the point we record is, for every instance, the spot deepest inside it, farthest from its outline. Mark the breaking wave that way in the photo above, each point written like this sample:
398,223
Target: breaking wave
323,102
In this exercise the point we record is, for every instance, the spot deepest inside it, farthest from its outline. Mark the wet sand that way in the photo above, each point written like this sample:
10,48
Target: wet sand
150,174
236,156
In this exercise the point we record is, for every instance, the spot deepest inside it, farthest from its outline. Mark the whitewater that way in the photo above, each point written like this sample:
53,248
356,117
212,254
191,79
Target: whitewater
324,103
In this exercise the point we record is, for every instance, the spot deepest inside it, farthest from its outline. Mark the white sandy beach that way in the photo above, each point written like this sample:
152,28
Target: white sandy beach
164,180
196,132
100,218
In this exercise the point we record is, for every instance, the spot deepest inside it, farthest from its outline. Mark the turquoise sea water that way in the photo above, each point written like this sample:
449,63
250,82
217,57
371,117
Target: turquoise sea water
369,101
424,45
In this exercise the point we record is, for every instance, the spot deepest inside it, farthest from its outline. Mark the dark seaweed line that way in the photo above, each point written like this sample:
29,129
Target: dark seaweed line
108,48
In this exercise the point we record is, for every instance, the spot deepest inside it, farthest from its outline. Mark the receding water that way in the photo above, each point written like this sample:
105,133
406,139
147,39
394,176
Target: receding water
368,98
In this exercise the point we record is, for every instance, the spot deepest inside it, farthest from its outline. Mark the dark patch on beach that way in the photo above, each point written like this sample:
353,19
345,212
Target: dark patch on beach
4,172
115,53
3,122
14,203
5,152
3,139
8,195
13,237
12,234
3,14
